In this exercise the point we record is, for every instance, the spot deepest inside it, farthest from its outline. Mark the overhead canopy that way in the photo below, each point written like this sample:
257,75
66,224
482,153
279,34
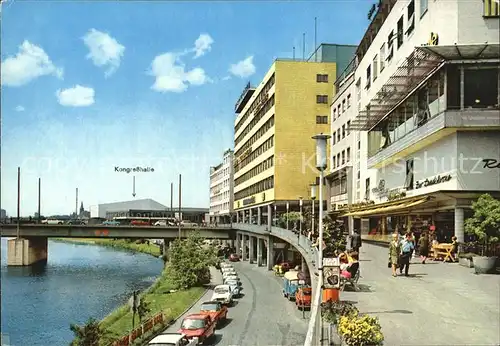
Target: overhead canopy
384,208
464,51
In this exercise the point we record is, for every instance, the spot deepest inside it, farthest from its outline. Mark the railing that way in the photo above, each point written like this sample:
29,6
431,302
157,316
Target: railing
141,330
313,336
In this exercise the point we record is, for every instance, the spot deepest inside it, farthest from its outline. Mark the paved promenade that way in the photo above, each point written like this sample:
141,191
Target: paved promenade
439,304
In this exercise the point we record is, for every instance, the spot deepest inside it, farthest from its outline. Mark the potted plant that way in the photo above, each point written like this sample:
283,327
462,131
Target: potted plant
485,225
360,330
331,311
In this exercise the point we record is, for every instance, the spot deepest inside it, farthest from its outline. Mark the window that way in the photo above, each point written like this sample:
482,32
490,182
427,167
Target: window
400,32
333,161
348,127
367,189
340,110
348,154
321,119
321,98
338,159
359,145
410,10
343,106
375,66
338,135
390,46
334,114
409,175
348,100
343,156
322,78
359,175
423,7
343,131
481,88
333,137
382,58
368,77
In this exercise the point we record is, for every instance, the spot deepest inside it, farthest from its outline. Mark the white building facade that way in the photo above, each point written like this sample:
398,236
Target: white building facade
222,190
427,94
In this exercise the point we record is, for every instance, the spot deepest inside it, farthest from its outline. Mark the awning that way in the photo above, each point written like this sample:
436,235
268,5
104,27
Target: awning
382,210
464,51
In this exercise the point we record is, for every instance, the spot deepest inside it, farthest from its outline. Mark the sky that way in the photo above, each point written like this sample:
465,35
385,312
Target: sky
92,87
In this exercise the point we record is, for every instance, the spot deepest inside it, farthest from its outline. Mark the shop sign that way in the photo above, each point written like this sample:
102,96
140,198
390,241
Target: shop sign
380,190
250,200
433,39
341,206
491,163
433,181
396,194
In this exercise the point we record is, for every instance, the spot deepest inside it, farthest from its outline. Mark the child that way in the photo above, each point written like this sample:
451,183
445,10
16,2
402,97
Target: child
454,248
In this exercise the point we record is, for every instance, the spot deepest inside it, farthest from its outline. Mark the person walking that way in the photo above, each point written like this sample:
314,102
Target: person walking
407,248
423,247
394,251
356,241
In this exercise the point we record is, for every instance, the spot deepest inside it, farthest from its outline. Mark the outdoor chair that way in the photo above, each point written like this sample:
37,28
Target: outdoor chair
353,281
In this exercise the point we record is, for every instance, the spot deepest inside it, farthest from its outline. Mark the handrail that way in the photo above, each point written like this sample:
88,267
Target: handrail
312,332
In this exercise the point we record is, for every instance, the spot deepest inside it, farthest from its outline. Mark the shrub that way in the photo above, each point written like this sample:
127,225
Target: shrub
332,311
360,330
485,223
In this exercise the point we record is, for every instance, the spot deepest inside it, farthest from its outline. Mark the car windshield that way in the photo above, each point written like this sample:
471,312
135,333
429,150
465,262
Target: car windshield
210,307
193,324
221,290
306,293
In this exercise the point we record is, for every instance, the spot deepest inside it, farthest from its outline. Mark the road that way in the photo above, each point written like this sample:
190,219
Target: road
262,316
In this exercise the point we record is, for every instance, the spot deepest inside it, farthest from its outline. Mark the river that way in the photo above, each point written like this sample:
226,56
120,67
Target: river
78,282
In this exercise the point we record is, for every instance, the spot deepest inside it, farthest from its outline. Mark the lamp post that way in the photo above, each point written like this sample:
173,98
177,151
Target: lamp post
275,221
300,219
313,197
287,210
321,163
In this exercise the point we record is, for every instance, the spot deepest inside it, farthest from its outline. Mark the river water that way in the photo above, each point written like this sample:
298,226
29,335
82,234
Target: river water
78,282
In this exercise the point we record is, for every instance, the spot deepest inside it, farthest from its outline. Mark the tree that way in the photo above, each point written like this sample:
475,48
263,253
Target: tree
143,309
292,216
333,232
485,222
189,261
90,334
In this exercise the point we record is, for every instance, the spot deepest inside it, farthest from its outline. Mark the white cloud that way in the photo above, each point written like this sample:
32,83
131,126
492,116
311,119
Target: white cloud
105,51
30,62
226,78
20,108
77,96
202,45
171,75
244,68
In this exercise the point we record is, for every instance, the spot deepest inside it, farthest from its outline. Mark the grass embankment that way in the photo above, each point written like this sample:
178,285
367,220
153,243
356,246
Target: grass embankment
119,322
150,249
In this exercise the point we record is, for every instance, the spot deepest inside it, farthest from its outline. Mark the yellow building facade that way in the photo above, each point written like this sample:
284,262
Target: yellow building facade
274,160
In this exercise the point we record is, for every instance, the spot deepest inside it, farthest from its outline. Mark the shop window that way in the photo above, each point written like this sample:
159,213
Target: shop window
411,17
481,88
400,32
321,98
491,8
409,175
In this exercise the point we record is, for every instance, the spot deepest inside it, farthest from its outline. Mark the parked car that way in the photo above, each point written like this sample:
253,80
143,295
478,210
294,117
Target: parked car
188,224
53,222
173,339
228,270
230,276
200,326
140,223
215,310
226,265
303,297
290,284
235,286
76,222
222,294
111,223
234,257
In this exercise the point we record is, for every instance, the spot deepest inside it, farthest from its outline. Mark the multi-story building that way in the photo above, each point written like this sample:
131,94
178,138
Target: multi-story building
221,190
428,94
274,152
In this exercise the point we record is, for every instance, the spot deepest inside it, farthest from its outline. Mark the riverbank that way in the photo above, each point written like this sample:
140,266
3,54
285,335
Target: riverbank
159,297
150,249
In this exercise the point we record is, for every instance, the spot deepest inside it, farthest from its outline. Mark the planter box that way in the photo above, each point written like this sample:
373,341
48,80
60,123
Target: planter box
485,265
466,262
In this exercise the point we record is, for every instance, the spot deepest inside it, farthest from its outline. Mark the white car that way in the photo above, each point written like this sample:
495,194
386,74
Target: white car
228,271
230,275
52,222
226,265
173,339
235,287
223,294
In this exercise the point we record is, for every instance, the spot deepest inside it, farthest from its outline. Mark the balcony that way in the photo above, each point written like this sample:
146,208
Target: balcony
244,98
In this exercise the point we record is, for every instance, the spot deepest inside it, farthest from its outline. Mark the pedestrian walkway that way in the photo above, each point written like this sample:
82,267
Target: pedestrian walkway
438,304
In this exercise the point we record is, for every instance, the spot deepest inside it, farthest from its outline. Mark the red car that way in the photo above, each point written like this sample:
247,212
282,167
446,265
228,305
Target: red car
234,257
140,223
199,326
215,310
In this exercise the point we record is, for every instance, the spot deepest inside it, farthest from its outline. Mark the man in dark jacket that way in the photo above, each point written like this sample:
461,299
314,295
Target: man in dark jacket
356,241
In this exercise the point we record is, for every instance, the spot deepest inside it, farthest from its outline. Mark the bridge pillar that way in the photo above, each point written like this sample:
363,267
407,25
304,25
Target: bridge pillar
260,245
259,216
244,247
26,251
270,253
269,217
251,257
238,243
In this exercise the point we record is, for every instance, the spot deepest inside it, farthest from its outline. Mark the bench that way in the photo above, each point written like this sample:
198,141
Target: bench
353,280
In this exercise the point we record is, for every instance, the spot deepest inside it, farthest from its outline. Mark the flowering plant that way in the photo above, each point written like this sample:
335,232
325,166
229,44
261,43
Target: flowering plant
360,330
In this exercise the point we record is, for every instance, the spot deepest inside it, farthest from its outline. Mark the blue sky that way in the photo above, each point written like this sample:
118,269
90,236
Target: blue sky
88,86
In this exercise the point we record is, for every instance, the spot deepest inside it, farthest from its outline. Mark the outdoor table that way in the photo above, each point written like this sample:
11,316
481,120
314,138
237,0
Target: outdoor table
444,250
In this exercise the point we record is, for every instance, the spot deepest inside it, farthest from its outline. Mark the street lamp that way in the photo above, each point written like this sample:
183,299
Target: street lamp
275,221
321,163
300,219
287,210
313,197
